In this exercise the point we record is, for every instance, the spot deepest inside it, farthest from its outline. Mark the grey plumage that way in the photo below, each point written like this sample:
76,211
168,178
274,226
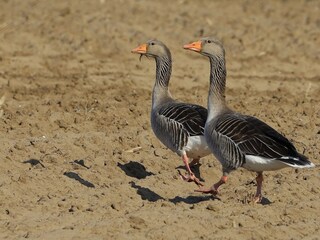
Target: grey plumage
240,135
239,140
174,122
179,126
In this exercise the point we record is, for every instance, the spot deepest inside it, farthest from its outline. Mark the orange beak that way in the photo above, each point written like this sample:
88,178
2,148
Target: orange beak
140,49
195,46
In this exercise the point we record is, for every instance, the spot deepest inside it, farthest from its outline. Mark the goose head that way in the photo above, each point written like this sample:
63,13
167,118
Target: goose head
152,48
207,46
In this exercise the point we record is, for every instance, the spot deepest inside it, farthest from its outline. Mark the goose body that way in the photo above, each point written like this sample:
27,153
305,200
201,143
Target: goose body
247,142
179,126
239,140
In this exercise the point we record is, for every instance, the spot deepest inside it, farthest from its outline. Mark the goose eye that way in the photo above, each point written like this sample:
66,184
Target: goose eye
209,41
152,43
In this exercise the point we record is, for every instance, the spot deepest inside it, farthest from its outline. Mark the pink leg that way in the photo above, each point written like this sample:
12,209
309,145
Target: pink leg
215,187
258,197
190,177
186,163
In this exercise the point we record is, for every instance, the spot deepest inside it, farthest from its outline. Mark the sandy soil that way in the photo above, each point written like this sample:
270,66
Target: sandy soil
76,100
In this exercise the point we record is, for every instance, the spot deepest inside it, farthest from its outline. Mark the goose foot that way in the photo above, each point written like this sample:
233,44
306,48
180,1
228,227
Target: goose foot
214,190
211,190
190,178
257,199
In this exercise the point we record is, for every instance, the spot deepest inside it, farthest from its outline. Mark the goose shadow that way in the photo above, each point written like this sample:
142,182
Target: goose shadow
81,163
76,177
146,193
193,199
265,201
135,169
33,162
195,169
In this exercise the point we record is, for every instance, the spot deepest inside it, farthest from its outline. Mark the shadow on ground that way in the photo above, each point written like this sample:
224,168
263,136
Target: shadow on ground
193,199
146,193
34,162
135,169
76,177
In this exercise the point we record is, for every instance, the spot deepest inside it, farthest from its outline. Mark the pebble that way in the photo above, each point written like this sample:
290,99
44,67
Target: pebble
115,206
212,207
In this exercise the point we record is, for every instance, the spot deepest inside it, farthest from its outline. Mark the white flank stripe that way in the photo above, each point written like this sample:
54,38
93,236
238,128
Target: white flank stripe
260,164
197,147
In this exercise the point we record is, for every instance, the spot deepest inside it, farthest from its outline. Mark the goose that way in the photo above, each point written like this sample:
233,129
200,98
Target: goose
179,126
238,140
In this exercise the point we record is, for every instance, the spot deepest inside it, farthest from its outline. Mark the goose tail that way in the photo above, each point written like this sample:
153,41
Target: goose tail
300,161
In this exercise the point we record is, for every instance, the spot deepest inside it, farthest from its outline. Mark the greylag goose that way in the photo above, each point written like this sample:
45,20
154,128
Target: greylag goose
238,140
179,126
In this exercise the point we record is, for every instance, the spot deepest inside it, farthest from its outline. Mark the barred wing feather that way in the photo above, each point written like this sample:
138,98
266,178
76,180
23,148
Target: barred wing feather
178,121
250,136
191,117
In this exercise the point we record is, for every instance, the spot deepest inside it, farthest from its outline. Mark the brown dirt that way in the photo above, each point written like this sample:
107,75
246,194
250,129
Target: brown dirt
76,100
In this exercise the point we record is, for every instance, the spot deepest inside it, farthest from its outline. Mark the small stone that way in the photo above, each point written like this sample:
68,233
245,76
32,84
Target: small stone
137,222
62,124
118,99
165,204
212,207
156,153
115,206
19,146
26,235
234,224
71,209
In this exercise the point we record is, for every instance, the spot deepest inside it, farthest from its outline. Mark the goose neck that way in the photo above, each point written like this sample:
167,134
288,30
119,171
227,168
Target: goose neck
161,87
216,97
163,71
